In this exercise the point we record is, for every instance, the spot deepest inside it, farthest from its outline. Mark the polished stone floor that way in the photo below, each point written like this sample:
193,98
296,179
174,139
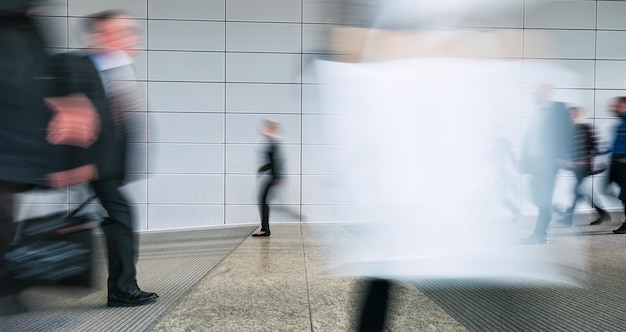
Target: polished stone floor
282,283
235,282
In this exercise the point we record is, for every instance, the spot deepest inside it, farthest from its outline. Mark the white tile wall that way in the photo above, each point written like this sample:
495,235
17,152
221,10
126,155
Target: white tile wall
611,15
263,98
511,17
186,66
253,68
214,69
186,189
186,97
246,158
263,10
316,38
609,74
561,14
186,128
263,37
187,9
186,35
561,44
186,158
607,48
136,8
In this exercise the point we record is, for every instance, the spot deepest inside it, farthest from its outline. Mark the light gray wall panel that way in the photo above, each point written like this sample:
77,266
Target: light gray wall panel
610,74
187,158
263,11
186,128
253,68
186,97
246,158
262,98
611,15
186,36
186,189
187,9
561,14
263,37
322,11
563,44
136,8
610,45
186,66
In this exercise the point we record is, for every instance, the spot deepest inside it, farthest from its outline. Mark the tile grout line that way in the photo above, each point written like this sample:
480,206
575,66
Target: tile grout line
306,278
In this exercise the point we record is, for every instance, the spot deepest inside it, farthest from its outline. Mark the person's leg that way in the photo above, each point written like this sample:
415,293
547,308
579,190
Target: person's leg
568,216
603,215
122,246
9,288
119,231
374,307
264,208
619,177
543,187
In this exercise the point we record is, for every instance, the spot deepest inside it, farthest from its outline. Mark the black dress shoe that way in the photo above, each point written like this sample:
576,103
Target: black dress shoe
131,299
600,220
621,230
262,233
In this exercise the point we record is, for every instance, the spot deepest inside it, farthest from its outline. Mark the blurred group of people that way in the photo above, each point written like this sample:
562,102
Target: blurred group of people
67,119
559,139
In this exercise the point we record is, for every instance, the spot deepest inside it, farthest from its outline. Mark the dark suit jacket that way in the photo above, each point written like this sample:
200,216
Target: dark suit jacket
77,74
25,155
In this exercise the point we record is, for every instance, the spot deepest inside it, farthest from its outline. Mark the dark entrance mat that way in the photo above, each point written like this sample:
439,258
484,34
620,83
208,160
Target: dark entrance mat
170,264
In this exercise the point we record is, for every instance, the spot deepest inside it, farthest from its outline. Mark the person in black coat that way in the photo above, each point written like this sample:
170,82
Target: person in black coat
583,147
25,155
274,165
106,77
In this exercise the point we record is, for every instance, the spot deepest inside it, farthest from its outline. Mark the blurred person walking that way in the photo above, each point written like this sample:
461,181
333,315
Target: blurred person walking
274,165
106,76
617,169
25,156
583,147
544,152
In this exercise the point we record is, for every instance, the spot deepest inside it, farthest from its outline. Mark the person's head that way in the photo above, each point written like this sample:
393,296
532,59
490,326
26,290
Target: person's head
543,93
618,106
577,113
270,128
113,30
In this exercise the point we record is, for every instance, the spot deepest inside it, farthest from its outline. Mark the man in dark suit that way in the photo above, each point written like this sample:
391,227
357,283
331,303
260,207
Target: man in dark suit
106,77
25,156
545,150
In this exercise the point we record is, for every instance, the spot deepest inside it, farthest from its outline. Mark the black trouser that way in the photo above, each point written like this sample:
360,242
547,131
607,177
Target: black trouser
264,208
7,230
580,173
617,174
121,240
374,307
